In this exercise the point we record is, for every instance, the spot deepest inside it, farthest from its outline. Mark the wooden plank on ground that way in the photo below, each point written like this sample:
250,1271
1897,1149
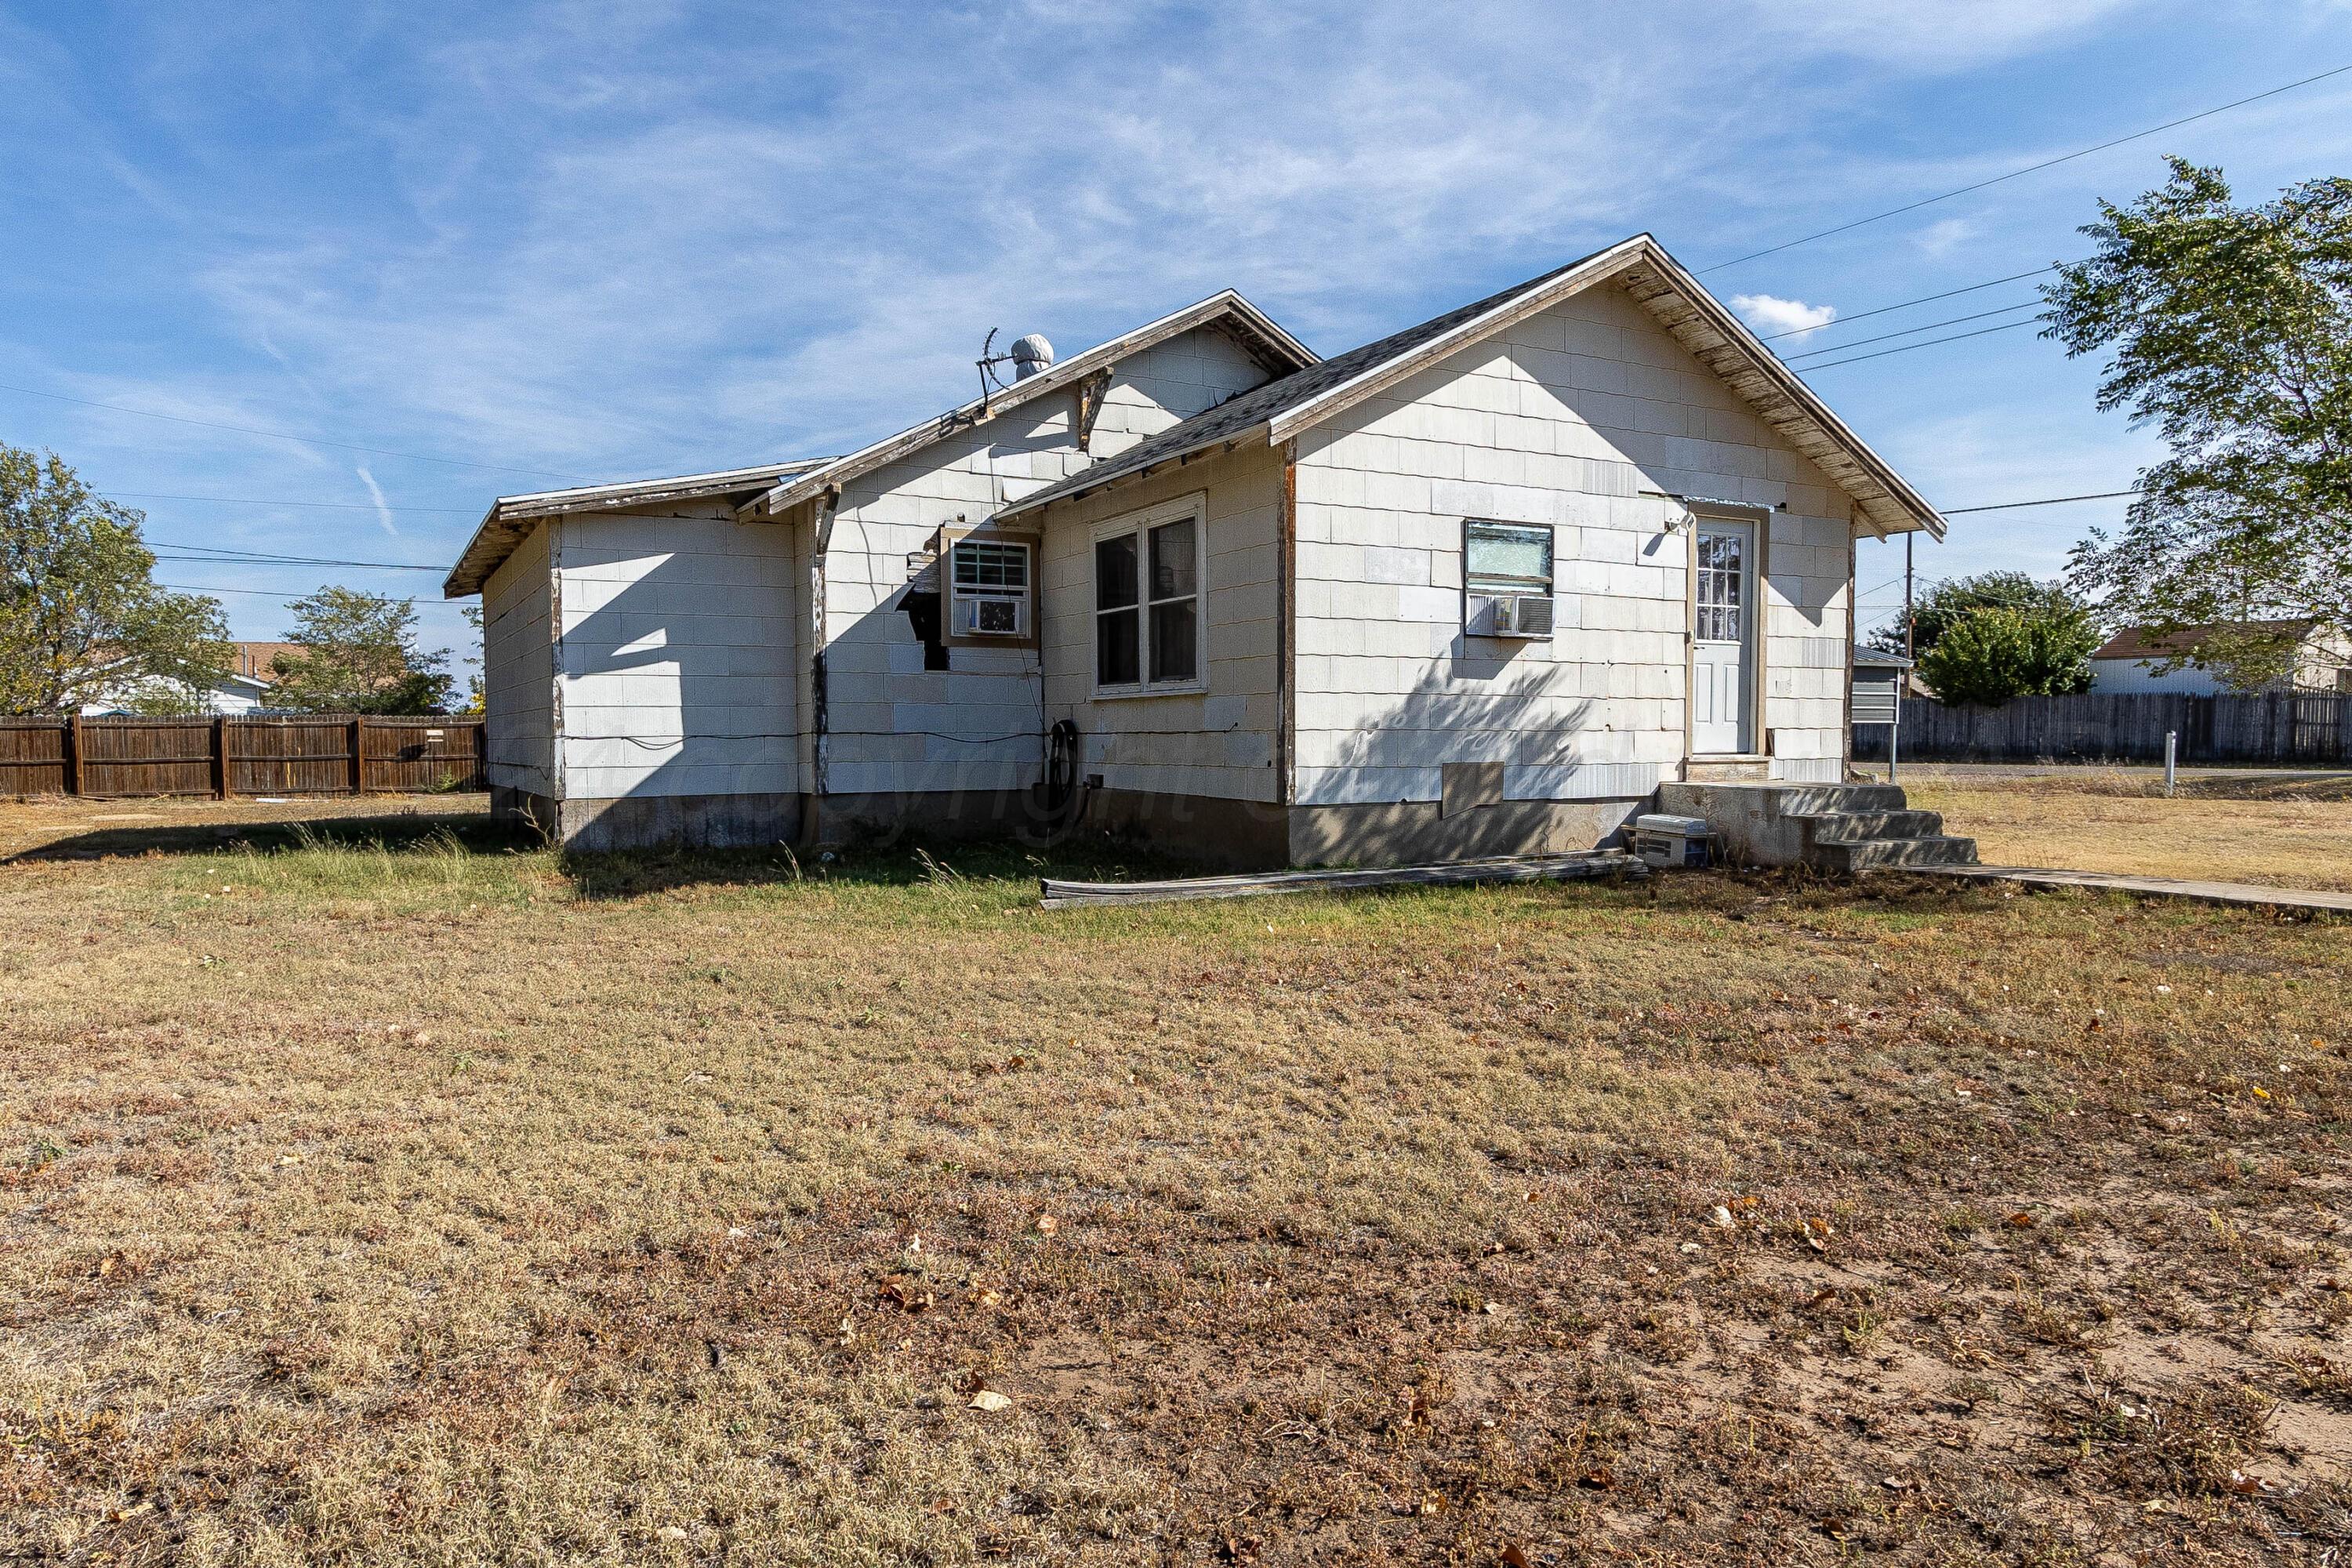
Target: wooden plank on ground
1055,895
2154,887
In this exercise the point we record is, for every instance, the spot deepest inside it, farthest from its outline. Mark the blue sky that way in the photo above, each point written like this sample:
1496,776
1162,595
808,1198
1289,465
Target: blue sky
583,241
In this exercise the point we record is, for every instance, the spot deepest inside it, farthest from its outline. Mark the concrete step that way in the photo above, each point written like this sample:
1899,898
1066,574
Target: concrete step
1885,854
1837,827
1847,827
1779,799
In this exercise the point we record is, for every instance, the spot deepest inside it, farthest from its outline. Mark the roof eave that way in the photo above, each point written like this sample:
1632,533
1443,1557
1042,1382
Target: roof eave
509,518
1228,440
1617,258
1059,378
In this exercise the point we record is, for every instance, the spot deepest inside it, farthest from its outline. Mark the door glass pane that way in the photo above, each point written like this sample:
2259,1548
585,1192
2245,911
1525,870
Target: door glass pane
1175,640
1114,572
1115,649
1722,580
1173,573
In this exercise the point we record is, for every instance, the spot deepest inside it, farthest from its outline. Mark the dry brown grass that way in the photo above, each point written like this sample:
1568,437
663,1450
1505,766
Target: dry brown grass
434,1204
2277,832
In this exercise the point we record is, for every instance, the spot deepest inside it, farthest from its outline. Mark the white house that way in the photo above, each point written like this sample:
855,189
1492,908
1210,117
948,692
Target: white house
1484,584
243,688
2133,660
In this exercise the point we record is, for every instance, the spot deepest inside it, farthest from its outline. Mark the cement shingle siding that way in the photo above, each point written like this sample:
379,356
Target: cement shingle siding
891,726
1563,419
1219,743
519,672
675,649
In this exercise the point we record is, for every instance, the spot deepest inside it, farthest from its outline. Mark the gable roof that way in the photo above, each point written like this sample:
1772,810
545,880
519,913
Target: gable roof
1226,310
2138,642
511,518
1671,296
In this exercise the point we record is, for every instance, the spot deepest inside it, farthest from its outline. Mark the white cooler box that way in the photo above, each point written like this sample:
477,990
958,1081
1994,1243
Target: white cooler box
1672,841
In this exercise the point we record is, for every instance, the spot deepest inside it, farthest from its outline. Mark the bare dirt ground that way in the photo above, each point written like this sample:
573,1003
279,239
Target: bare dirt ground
393,1195
2280,829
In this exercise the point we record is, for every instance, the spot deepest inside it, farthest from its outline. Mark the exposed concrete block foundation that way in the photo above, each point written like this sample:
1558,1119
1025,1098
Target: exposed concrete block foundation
1237,835
670,821
1410,833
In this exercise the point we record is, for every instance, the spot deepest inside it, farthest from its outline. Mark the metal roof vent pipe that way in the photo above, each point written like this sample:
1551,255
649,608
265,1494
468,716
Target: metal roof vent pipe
1031,354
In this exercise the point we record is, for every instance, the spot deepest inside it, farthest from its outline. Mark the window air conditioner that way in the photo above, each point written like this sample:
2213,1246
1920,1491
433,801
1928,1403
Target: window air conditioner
991,617
1519,615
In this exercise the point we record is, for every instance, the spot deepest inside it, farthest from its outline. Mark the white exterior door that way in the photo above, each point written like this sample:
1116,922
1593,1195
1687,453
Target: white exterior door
1723,636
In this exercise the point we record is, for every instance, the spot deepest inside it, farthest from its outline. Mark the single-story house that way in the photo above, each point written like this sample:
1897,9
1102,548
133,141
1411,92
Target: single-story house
2133,659
243,688
1483,585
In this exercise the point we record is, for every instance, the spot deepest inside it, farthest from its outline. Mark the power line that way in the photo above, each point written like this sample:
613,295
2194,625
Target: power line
249,593
1931,343
1922,327
283,435
257,558
1906,304
335,505
2016,174
2047,500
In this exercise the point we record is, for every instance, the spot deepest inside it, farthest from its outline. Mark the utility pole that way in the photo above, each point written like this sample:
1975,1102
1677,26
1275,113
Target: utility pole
1908,651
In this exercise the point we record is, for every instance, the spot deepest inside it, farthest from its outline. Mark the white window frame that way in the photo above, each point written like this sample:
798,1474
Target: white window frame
1027,594
1472,593
1140,524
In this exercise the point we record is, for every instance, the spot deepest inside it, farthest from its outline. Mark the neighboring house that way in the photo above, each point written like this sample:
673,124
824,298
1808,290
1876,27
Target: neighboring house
1481,585
2130,660
244,689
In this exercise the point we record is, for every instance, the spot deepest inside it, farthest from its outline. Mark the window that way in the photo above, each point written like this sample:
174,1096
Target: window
1148,599
1505,558
1117,640
1507,579
988,588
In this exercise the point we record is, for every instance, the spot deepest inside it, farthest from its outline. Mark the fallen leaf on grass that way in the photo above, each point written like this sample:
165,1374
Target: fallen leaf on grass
1047,1225
905,1293
988,1399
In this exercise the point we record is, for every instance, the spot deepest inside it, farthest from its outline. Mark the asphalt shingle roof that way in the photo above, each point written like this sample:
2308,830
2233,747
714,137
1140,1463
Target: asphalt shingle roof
1253,408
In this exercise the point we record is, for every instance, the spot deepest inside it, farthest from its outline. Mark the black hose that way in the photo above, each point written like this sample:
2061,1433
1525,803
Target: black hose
1061,771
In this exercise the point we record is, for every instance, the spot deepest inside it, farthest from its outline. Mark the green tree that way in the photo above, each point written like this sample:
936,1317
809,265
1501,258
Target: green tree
1993,655
81,619
1941,607
477,694
2229,329
358,656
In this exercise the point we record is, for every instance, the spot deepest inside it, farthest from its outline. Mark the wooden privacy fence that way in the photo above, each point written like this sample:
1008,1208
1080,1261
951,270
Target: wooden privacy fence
309,753
2125,727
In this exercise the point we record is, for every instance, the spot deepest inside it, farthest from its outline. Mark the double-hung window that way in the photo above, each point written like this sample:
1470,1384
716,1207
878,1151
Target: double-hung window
987,588
1148,609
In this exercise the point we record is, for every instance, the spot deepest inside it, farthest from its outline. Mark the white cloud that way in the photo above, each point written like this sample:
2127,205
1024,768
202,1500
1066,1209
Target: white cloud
1772,316
1934,35
375,494
612,241
1939,239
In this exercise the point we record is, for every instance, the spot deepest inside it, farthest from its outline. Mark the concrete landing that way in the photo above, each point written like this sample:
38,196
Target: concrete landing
2156,887
1844,828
